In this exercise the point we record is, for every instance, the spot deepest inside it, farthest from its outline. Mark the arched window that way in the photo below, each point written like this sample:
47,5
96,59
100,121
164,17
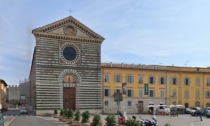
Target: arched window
197,104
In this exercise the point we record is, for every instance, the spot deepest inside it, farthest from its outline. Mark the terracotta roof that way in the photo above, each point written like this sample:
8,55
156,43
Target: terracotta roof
2,81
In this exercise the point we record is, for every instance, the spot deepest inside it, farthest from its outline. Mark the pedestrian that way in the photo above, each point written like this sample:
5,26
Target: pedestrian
200,113
177,112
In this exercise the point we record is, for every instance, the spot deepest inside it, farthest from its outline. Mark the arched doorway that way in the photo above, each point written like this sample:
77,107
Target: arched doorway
186,105
69,91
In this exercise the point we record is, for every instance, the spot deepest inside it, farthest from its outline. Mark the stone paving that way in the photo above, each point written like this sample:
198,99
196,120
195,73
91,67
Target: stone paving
181,120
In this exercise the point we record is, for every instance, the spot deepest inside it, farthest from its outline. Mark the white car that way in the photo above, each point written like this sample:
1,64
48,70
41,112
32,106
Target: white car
23,110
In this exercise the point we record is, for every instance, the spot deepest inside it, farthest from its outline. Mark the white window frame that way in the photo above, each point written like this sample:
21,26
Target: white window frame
163,80
197,104
186,94
176,80
187,81
105,92
153,93
141,93
208,82
129,104
208,94
197,94
162,93
153,79
198,81
107,77
118,78
129,79
106,103
174,93
141,79
131,93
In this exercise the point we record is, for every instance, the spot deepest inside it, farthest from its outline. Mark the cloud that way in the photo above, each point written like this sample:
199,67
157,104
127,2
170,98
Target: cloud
5,20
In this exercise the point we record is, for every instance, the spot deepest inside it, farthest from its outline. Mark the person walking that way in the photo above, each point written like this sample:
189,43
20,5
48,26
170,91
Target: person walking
201,114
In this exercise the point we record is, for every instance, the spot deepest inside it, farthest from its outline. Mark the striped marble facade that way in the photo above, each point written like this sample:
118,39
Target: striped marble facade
49,67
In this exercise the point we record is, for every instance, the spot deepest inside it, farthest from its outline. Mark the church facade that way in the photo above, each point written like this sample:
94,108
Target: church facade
66,67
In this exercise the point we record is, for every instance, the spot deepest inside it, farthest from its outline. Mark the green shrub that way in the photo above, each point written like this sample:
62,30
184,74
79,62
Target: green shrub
167,124
85,117
65,112
96,120
110,120
132,122
70,113
77,116
61,112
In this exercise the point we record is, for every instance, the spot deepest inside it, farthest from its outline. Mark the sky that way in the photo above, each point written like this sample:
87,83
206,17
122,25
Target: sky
150,32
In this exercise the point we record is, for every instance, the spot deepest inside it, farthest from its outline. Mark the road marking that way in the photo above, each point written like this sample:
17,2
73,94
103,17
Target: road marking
10,121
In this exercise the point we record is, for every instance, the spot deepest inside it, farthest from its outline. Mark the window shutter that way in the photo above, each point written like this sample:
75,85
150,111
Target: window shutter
131,93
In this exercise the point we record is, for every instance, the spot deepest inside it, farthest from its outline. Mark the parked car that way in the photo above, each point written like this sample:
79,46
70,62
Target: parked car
1,120
23,110
196,111
188,110
208,113
205,110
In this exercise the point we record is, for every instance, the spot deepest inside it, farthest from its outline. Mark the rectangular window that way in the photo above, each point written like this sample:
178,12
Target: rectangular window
197,94
141,79
141,93
162,80
174,81
208,82
187,81
197,81
106,77
118,78
174,102
152,80
186,94
106,103
174,94
129,93
207,94
162,93
106,92
129,79
129,104
152,93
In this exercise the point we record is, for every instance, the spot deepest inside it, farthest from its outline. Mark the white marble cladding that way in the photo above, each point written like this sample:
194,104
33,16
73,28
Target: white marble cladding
48,68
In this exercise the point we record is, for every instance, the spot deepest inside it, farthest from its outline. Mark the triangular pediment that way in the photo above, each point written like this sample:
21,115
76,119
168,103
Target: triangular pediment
68,27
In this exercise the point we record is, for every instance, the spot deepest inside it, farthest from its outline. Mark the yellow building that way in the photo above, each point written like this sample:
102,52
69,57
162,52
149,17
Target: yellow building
3,86
188,86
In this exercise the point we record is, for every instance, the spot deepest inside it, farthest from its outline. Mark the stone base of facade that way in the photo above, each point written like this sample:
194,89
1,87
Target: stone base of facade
43,112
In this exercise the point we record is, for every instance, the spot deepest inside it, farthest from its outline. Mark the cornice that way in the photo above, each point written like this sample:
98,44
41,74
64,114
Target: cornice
74,38
65,21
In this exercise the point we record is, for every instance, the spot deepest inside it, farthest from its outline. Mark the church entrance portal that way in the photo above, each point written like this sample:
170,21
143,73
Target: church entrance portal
69,92
69,98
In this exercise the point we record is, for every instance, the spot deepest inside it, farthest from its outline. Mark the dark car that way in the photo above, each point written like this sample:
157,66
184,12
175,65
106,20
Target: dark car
208,113
205,110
